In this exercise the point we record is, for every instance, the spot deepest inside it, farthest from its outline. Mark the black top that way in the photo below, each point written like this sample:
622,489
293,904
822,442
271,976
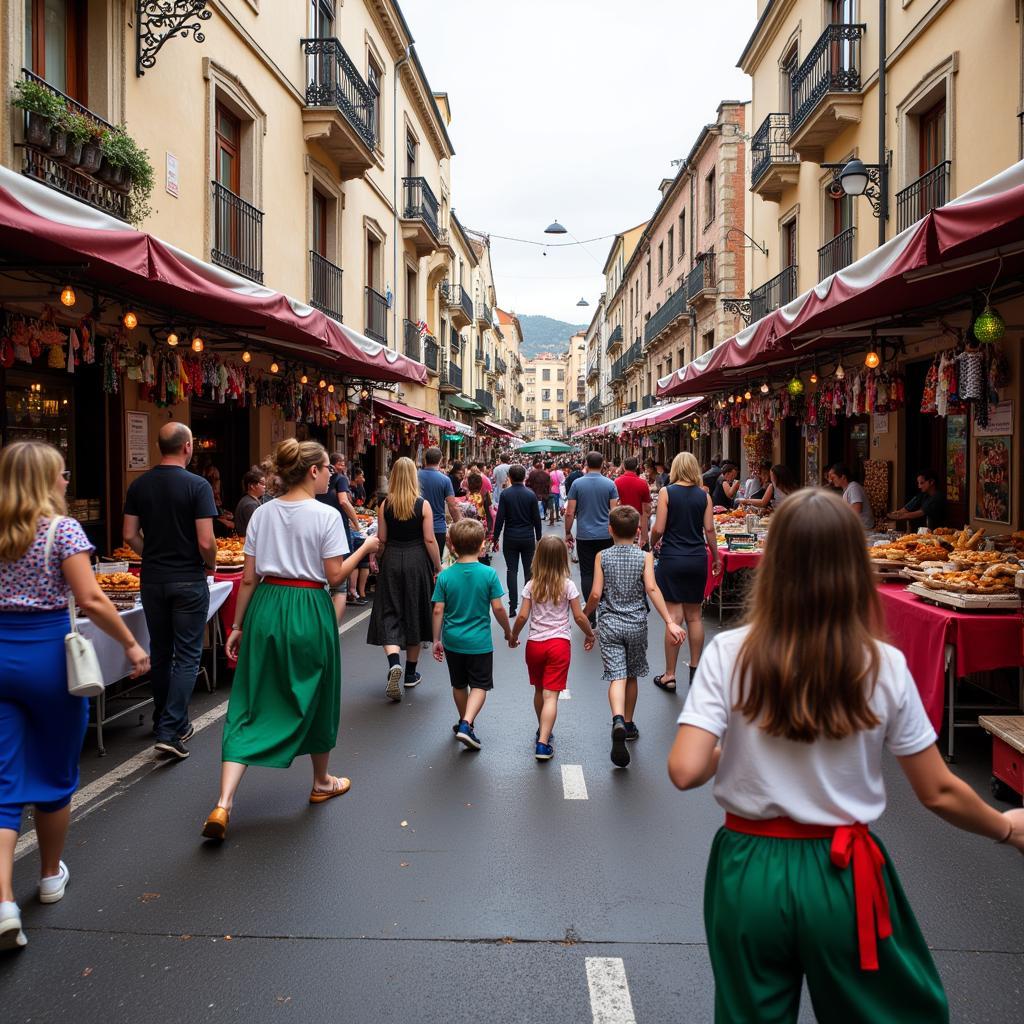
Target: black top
358,494
168,500
243,513
933,506
719,497
405,530
711,476
572,478
518,514
684,527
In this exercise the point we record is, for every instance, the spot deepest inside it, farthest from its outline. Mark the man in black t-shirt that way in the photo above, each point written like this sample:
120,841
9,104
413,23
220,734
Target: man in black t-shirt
168,522
928,504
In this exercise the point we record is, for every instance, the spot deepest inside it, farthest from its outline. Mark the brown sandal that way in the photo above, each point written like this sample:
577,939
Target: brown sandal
339,787
216,825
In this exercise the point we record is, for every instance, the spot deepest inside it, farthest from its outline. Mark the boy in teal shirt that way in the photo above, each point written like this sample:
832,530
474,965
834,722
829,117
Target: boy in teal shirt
464,596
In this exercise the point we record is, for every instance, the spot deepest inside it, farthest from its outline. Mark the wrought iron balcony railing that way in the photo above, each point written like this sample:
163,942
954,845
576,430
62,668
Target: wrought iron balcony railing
457,296
485,399
376,316
324,285
634,354
618,370
334,81
920,197
430,353
832,65
770,145
594,406
614,339
593,367
836,254
237,234
454,343
647,402
702,277
500,365
483,313
773,293
575,406
671,309
412,338
421,203
75,170
452,375
479,355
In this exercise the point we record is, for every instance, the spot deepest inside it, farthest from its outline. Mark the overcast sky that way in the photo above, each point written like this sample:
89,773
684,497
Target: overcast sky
572,109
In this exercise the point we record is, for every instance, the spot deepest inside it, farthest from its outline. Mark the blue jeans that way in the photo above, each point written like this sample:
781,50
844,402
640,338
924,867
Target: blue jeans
176,615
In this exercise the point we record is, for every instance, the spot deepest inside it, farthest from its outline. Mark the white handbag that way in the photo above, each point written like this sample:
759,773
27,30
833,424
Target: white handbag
85,678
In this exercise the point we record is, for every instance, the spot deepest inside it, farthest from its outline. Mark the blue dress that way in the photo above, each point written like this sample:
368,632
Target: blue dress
682,569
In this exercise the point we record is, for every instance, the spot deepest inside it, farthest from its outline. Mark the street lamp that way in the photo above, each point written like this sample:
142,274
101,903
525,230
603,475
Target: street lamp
854,178
582,302
554,228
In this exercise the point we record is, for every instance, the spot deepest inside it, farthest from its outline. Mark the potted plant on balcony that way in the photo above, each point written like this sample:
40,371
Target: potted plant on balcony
92,148
79,130
44,108
126,167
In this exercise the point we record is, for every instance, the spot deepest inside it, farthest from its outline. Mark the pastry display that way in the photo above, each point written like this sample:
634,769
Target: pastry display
124,554
118,582
230,550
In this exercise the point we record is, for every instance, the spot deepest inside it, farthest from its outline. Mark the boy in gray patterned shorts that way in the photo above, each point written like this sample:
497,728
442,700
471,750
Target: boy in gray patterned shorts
623,581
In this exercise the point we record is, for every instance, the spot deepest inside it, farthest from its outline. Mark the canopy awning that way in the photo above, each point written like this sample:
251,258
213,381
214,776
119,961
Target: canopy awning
464,403
663,415
967,245
41,225
496,428
408,412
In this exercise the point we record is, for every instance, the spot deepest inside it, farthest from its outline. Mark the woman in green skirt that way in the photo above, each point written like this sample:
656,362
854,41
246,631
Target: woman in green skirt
286,696
790,715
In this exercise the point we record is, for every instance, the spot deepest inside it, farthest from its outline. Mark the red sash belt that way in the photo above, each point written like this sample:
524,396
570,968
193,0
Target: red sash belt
849,843
281,581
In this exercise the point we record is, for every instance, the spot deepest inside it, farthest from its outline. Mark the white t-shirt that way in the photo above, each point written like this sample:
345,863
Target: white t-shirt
829,782
855,493
292,539
551,621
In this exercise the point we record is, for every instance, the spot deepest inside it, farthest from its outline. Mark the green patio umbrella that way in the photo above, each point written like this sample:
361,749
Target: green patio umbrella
556,447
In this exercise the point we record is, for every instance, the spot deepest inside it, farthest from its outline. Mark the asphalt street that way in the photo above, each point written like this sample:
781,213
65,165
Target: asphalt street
447,885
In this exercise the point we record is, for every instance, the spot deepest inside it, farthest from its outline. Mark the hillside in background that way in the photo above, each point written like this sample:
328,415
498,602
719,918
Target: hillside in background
542,334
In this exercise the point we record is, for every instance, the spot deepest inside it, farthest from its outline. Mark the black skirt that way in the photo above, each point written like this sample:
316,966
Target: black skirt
402,611
682,579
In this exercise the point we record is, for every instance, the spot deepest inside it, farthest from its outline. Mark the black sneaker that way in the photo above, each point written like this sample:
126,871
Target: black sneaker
412,681
189,732
632,732
620,755
359,602
173,747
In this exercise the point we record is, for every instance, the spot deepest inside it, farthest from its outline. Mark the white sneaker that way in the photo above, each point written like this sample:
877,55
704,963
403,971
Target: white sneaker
11,935
51,890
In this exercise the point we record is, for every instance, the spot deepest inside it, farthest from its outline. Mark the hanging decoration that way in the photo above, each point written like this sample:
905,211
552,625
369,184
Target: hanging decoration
989,327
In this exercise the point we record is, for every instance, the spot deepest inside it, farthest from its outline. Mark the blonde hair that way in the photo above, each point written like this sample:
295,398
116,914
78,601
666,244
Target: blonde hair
809,662
403,488
294,459
685,470
550,570
28,481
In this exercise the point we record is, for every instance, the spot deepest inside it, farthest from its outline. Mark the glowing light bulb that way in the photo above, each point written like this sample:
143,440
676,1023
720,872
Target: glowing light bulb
814,378
746,395
67,296
198,344
764,388
840,372
246,357
322,384
732,399
871,360
172,340
303,379
330,389
130,320
274,367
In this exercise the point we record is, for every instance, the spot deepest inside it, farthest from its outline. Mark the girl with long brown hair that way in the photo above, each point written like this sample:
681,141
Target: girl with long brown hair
790,715
549,598
402,613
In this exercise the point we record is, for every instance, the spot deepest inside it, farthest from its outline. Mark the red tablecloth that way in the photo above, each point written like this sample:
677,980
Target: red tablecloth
731,562
921,631
227,609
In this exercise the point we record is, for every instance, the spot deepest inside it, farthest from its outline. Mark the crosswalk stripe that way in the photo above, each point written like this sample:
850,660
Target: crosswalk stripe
574,786
609,991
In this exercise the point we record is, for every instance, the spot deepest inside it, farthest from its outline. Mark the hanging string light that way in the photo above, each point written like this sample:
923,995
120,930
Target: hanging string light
274,367
246,356
67,296
198,344
764,388
130,319
172,340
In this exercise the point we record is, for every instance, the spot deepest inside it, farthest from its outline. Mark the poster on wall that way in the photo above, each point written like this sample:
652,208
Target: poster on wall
956,458
1000,421
136,440
992,478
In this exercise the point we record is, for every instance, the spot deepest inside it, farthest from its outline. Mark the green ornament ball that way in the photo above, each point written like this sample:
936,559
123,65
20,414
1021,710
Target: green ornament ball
989,327
795,387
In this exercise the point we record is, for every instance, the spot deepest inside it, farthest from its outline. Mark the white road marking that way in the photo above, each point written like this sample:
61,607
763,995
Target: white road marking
574,787
126,774
564,695
609,991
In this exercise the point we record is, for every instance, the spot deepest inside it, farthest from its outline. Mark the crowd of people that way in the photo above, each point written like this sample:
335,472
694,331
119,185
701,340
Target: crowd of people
789,714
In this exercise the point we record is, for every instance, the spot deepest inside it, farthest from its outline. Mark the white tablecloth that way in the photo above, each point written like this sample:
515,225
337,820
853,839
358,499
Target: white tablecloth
113,662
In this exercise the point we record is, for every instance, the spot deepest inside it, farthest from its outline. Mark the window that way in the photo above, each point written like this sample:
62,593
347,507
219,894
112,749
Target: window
648,275
682,356
545,395
789,243
661,262
671,246
787,68
545,374
708,341
374,262
561,374
932,137
410,155
374,74
55,44
545,414
682,234
321,18
561,396
709,198
668,364
320,210
228,138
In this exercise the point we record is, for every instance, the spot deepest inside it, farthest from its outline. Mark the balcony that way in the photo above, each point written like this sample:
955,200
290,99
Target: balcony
430,353
419,217
593,368
647,402
773,164
483,314
614,339
451,377
376,316
75,171
499,387
920,197
479,355
773,294
237,234
628,408
324,285
634,355
412,339
672,311
517,418
460,305
500,365
455,344
594,406
575,407
616,376
485,399
825,91
340,111
701,283
835,255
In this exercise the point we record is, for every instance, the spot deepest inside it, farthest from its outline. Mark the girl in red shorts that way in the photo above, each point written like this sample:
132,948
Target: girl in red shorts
548,599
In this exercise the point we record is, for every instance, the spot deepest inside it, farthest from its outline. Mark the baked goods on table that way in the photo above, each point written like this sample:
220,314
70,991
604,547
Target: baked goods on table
230,550
972,581
124,554
118,582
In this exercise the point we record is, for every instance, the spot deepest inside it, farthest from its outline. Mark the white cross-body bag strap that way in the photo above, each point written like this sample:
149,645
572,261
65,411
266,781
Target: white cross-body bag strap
51,534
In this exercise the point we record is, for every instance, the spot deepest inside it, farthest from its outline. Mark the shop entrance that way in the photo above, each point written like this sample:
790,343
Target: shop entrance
221,442
792,450
849,442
